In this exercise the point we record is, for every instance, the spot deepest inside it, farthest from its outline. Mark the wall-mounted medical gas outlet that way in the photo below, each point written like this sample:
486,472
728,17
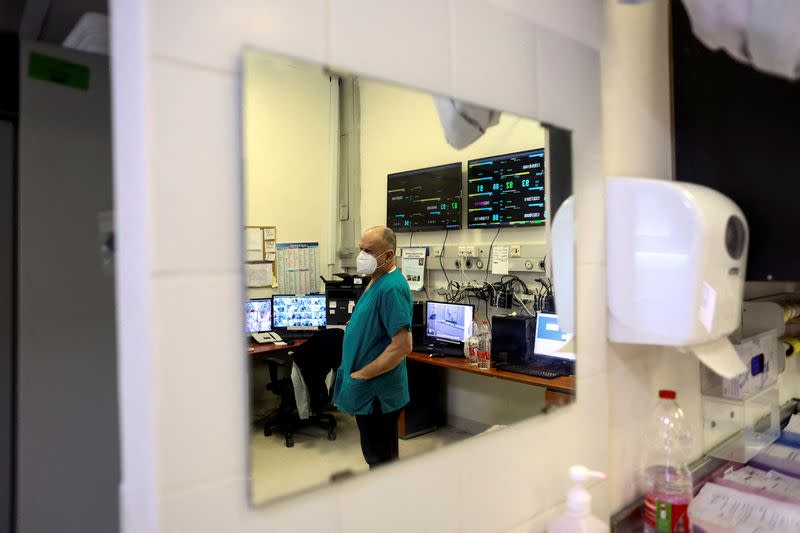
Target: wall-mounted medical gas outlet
454,256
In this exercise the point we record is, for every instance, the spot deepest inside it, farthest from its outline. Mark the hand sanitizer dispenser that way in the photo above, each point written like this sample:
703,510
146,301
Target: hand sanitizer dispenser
578,516
676,256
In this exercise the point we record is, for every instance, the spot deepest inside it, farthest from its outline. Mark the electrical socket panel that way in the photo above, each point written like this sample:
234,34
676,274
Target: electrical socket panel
516,250
466,251
437,252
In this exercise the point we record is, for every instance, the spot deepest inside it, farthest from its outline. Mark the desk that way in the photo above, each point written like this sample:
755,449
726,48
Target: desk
563,385
427,409
275,356
273,352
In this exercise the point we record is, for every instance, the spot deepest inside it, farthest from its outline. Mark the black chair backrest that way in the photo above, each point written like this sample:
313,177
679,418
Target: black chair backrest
320,354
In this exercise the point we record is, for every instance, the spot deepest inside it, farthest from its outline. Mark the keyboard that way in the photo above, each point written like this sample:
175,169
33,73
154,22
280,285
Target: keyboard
449,352
532,371
296,335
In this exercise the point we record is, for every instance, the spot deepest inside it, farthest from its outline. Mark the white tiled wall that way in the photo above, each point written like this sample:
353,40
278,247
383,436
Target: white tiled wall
637,142
184,403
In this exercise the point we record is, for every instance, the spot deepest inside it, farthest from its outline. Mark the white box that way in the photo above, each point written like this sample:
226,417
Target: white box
737,430
761,356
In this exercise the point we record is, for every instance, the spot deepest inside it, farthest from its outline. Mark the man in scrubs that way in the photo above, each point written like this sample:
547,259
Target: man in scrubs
372,382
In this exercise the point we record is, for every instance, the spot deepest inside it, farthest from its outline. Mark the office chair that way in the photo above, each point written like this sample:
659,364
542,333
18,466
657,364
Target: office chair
320,354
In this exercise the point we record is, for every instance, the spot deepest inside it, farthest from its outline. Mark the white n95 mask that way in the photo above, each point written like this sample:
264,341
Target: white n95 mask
366,265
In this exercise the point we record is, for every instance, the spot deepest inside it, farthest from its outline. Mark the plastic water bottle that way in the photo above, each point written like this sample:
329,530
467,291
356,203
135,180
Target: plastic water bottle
471,346
485,347
667,479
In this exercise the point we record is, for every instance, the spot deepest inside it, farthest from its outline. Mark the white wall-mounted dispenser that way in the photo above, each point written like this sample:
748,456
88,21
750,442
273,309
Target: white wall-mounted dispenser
562,264
676,256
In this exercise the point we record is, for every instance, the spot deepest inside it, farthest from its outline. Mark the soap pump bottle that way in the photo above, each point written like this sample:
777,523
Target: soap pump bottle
578,517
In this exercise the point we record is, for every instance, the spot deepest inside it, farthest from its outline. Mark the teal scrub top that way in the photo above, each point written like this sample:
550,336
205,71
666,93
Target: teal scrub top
381,312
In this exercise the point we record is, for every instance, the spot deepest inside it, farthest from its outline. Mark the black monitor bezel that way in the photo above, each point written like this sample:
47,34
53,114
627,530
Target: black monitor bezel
460,165
271,325
541,223
439,339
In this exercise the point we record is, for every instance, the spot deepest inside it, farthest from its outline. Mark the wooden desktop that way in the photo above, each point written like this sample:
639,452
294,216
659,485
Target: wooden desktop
564,384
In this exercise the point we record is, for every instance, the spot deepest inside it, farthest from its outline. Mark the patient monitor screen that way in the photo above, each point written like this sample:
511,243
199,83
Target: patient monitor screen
506,190
258,315
448,322
299,311
425,199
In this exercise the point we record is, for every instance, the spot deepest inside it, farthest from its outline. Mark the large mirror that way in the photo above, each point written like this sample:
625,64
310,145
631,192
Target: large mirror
399,291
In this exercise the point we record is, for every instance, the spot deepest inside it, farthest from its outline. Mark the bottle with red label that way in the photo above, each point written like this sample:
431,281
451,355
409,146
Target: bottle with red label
472,344
667,479
485,347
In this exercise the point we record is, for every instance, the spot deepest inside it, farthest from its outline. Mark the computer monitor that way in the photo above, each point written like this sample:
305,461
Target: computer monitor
424,199
447,322
549,337
506,190
299,312
258,315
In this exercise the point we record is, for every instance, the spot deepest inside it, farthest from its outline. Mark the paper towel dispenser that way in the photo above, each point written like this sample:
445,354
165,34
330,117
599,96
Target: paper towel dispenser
676,257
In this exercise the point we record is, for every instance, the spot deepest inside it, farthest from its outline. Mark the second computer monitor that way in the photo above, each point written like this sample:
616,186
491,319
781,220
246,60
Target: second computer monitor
307,311
448,322
258,315
549,337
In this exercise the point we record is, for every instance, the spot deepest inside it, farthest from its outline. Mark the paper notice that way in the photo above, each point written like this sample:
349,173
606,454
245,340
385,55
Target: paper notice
254,239
254,255
269,234
500,260
721,357
413,267
719,508
770,483
258,274
270,246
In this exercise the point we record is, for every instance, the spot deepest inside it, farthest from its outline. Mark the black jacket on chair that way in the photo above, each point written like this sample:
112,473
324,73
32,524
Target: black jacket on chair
319,355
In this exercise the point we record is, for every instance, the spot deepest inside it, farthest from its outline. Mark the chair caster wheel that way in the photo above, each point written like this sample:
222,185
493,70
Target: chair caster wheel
267,431
331,435
289,442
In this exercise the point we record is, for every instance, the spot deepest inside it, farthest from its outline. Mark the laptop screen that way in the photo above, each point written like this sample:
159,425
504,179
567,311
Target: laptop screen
550,338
